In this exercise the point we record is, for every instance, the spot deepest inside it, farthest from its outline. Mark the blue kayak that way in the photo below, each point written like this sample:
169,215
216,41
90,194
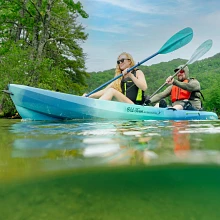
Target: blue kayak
40,104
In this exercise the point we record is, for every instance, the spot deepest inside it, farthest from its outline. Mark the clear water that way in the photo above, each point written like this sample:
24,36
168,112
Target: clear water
109,170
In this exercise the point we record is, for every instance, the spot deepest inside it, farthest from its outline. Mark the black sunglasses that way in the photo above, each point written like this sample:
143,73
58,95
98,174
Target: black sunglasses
121,60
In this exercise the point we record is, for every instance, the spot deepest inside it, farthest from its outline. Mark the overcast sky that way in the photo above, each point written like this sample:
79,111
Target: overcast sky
141,27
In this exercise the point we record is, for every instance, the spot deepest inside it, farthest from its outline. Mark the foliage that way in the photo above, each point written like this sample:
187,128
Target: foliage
40,45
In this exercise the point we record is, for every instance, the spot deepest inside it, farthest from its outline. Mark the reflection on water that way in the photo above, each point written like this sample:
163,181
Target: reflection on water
44,146
109,170
75,144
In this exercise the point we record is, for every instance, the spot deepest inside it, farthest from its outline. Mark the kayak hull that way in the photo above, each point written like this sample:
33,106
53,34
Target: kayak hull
40,104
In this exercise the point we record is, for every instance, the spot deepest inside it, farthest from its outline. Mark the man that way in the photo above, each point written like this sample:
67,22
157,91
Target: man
184,92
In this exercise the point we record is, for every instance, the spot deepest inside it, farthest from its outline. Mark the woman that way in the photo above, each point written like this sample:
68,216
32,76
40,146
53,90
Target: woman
129,88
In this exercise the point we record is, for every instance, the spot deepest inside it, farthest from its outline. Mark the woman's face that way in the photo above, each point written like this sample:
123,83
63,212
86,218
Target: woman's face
123,62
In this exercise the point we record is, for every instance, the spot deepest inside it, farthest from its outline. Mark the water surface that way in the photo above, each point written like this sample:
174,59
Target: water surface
109,170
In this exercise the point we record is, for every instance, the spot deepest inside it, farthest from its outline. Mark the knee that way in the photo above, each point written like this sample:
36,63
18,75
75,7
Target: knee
178,107
111,91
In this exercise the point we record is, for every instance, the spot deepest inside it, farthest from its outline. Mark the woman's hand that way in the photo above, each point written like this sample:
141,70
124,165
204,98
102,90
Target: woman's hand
84,94
126,73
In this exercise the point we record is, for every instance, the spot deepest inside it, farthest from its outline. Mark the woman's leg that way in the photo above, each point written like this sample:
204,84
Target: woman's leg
113,93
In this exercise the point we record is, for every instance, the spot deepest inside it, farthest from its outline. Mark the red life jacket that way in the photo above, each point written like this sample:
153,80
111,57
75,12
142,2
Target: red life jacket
179,94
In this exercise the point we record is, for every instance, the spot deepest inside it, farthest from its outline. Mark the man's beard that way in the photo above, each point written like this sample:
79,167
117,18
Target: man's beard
181,79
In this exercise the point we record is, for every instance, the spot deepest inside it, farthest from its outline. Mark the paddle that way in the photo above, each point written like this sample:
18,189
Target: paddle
177,41
199,52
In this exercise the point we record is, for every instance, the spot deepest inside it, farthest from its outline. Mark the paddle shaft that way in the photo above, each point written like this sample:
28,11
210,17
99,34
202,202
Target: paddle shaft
130,69
166,83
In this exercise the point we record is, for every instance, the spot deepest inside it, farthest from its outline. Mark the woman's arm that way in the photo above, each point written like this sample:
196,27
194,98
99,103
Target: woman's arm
139,80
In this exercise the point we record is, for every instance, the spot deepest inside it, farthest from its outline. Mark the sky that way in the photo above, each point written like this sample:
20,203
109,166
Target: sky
142,27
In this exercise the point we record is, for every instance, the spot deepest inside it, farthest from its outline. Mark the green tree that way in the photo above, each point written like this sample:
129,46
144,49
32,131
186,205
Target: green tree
40,44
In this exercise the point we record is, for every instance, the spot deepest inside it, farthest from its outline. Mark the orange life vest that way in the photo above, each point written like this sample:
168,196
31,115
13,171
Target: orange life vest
179,94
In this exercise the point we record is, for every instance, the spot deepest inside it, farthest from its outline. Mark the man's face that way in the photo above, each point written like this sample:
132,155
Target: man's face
181,75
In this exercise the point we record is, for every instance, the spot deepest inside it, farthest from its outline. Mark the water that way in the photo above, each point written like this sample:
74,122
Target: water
109,170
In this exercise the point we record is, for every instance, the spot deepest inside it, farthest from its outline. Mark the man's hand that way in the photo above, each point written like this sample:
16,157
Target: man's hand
169,80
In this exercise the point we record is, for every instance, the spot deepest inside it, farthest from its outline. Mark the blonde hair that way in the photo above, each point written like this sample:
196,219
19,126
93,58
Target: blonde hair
117,83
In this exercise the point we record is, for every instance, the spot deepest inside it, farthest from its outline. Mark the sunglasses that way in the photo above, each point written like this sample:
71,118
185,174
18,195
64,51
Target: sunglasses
181,71
121,60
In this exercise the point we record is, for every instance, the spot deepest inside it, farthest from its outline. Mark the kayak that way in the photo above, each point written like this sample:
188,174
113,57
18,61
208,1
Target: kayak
40,104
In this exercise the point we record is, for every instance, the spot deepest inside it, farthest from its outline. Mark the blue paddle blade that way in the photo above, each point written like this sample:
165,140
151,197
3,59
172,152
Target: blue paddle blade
177,41
200,51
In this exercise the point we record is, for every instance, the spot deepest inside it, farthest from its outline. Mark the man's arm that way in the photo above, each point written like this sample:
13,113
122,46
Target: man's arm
193,85
161,95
